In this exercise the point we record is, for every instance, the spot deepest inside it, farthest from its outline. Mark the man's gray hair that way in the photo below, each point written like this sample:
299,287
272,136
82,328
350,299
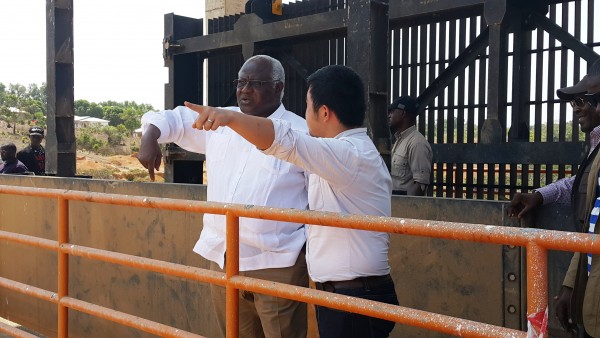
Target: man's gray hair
278,72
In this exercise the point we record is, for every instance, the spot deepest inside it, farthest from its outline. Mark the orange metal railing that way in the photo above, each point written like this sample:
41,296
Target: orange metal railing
537,242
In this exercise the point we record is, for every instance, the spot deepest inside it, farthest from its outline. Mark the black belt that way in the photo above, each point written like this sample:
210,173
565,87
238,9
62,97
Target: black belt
399,192
370,282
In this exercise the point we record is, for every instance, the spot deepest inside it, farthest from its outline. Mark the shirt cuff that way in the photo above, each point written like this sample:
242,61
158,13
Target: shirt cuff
157,120
546,193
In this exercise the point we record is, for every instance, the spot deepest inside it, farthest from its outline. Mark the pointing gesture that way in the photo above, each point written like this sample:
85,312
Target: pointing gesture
210,118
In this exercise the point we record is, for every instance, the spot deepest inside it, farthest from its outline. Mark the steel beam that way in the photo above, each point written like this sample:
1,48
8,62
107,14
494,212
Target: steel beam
557,32
464,59
405,9
512,152
249,29
60,138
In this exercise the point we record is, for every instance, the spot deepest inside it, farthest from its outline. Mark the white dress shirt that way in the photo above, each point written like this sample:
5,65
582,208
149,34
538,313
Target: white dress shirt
346,175
239,173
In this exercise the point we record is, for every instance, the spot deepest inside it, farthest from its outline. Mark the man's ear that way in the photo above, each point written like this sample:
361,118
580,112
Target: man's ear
279,86
325,112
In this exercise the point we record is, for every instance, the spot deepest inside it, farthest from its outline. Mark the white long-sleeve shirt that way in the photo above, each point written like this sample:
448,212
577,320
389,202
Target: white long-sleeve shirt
239,173
346,175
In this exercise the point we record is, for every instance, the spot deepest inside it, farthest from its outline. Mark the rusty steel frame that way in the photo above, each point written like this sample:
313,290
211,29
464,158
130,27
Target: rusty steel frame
536,241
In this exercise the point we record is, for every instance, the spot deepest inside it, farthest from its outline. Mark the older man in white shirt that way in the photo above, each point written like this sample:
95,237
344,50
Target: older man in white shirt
346,175
239,173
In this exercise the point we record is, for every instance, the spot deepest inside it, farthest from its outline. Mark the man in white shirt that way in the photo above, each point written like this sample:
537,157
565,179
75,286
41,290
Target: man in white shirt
238,173
346,175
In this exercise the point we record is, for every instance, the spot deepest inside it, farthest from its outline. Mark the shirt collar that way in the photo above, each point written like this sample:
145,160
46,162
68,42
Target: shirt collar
352,131
406,132
278,113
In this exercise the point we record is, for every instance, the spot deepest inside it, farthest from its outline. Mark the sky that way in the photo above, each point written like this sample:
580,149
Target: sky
117,46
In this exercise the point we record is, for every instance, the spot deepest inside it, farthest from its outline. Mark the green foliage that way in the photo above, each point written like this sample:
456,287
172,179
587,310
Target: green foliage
20,104
89,142
86,108
115,135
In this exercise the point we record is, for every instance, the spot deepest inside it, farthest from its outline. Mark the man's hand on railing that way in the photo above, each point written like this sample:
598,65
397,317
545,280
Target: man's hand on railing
563,309
523,203
150,155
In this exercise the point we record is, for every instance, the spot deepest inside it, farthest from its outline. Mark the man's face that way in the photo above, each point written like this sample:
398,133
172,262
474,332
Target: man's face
586,112
395,117
36,140
258,93
6,154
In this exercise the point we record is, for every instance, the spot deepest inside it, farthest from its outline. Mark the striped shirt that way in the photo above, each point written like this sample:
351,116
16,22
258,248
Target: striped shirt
560,191
593,220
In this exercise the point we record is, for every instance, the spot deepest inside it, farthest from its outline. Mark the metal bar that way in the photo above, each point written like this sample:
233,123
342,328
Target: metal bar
564,37
465,58
232,269
125,319
481,112
29,290
406,9
29,240
432,321
148,264
549,239
15,332
537,279
63,266
512,152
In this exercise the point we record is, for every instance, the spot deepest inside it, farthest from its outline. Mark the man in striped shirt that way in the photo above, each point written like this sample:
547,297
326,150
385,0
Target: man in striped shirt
579,298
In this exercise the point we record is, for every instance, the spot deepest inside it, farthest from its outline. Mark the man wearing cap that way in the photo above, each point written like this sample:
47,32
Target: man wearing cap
411,153
579,297
34,155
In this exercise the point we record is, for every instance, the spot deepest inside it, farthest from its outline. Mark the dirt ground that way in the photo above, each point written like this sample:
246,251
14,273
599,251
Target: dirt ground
122,167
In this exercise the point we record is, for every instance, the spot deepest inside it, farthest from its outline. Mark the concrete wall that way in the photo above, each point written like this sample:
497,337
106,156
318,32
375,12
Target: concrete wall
449,277
219,8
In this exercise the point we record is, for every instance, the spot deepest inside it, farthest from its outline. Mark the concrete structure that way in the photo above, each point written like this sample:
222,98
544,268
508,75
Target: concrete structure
219,8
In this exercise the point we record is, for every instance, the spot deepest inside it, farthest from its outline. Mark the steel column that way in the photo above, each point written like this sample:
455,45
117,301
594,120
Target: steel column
63,267
60,138
493,127
367,46
232,268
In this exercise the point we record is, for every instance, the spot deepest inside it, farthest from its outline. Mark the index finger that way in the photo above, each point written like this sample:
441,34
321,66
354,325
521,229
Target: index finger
195,107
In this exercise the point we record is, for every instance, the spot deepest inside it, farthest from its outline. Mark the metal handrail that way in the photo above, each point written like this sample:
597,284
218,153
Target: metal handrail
536,241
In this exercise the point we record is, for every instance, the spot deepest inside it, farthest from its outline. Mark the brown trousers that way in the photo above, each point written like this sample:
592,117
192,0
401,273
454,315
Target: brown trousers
267,316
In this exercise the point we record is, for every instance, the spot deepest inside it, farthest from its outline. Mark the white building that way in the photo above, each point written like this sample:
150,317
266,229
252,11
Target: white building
87,121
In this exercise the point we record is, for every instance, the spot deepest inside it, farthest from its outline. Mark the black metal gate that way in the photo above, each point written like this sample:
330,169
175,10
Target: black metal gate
487,72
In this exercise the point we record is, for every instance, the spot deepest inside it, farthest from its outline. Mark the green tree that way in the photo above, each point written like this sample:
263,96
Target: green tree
113,115
131,118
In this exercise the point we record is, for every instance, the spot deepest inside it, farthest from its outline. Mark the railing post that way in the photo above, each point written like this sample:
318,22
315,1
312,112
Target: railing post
537,283
63,267
232,268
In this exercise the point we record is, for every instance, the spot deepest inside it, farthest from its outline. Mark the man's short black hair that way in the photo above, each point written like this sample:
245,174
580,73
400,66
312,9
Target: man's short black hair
10,148
340,89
